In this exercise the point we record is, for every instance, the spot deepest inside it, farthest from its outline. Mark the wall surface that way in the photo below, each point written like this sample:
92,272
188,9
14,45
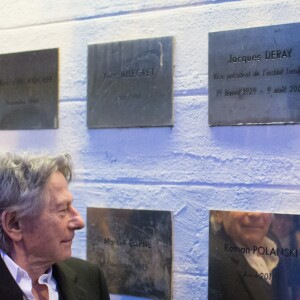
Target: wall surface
189,168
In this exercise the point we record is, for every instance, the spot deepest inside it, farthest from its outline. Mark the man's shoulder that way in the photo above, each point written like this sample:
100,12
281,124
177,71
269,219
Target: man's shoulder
84,274
78,265
78,270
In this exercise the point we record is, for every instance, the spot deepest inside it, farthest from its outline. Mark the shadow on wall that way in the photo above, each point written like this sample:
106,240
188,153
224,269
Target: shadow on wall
133,139
27,140
258,137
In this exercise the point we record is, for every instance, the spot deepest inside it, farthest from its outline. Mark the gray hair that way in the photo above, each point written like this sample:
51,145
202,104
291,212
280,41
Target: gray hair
22,184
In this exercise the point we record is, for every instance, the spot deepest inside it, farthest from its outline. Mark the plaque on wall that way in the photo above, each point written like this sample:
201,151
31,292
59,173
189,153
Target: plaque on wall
254,255
134,250
130,83
254,76
29,90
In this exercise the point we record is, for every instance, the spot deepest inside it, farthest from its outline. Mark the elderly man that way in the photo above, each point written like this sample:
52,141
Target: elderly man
38,223
244,263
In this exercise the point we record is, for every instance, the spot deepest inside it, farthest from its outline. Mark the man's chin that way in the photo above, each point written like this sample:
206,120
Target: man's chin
65,255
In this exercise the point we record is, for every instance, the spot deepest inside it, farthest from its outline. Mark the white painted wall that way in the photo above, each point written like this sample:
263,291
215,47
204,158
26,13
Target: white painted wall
189,168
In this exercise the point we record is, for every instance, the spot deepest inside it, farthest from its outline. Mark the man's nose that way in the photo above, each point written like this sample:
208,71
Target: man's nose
76,221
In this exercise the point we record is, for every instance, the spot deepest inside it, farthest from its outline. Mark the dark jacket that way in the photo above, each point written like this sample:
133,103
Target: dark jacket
76,279
232,278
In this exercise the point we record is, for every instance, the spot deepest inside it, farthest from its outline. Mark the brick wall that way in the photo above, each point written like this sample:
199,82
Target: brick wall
189,168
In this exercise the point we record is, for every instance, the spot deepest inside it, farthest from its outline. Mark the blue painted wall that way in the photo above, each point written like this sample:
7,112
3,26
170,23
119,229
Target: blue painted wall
189,168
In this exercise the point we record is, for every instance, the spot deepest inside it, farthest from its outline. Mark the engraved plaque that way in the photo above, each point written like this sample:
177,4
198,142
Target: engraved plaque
29,90
130,83
134,249
254,76
253,255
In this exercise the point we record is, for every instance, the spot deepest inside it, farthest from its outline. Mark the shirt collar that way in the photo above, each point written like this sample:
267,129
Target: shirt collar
263,263
11,265
20,274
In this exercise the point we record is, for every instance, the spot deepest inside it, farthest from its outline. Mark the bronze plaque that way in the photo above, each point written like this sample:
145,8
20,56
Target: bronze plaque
253,255
29,90
134,249
130,83
254,76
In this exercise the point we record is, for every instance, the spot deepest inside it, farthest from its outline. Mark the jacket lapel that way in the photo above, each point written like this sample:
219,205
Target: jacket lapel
66,280
8,287
256,286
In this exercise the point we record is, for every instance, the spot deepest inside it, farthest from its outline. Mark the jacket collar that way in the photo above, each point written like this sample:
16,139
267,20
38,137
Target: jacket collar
65,277
242,267
8,287
66,280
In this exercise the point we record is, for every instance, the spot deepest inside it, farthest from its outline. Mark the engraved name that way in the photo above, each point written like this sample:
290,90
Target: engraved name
130,243
131,73
287,252
236,249
260,250
25,81
140,244
267,55
108,241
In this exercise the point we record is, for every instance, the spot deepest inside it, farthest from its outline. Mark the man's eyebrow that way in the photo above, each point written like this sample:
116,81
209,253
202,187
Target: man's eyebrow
64,202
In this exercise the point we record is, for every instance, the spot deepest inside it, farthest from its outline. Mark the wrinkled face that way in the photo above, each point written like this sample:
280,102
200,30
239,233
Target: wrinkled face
246,228
48,238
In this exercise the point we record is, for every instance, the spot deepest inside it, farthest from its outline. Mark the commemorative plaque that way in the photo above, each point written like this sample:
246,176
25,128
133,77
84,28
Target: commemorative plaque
29,90
254,255
254,76
134,250
130,83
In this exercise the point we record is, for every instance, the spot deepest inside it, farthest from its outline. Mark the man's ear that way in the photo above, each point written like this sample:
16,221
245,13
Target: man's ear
11,225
